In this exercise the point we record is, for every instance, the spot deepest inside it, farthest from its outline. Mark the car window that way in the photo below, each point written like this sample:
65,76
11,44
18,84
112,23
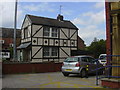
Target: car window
91,60
72,59
103,57
84,59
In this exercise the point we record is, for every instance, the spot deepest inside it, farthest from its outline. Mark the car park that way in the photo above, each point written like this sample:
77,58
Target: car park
82,65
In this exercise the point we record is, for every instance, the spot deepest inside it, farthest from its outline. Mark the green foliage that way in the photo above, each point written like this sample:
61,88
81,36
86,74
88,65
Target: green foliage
97,47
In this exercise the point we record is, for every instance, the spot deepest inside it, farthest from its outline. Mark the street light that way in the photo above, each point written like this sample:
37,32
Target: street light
15,24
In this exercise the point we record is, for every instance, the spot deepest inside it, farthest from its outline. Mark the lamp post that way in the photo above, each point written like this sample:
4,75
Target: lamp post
15,24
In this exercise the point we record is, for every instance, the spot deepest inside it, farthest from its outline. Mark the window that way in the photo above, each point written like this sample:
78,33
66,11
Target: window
91,60
26,32
54,32
46,51
46,31
84,59
72,59
54,51
50,32
50,51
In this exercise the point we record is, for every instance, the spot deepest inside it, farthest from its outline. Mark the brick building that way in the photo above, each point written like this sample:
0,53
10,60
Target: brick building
81,45
6,40
113,41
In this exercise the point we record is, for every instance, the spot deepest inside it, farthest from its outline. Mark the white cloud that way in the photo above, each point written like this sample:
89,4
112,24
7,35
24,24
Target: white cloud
38,7
99,5
89,32
90,24
8,12
90,17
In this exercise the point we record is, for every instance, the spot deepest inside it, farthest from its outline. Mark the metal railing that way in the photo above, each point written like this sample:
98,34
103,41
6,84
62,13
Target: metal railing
107,69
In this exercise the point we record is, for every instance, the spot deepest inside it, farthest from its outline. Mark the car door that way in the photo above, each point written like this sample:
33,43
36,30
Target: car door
84,62
91,65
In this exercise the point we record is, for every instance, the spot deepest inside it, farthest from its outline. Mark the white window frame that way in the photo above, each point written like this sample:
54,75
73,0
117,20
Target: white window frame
26,32
51,32
54,32
47,31
46,51
51,51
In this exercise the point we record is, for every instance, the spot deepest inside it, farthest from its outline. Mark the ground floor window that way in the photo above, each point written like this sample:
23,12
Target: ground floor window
50,51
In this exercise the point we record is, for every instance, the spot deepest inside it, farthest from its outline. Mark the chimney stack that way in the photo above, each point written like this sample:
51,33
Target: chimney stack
60,17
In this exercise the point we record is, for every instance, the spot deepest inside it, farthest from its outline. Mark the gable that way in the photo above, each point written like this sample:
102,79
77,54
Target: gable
26,22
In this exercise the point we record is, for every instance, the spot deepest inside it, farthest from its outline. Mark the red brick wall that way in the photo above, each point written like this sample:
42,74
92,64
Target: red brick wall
108,35
81,44
15,68
110,84
8,41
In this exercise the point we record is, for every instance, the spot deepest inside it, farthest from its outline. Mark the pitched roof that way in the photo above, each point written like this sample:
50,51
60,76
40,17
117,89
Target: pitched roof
51,22
9,33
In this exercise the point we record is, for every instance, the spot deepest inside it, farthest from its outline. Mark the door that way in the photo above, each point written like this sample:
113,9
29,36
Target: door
91,65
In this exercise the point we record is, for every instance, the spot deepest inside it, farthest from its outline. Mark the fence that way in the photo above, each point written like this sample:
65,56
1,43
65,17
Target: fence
18,67
107,68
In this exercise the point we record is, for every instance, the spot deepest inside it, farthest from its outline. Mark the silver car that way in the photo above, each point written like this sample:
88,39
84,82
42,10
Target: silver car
82,65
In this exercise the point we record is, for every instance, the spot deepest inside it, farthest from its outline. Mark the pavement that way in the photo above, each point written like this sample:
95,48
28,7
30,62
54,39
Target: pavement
48,80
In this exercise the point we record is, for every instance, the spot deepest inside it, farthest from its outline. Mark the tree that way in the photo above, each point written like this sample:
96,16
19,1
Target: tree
97,47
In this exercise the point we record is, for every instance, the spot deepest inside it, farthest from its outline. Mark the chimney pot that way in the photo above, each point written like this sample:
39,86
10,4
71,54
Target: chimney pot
60,17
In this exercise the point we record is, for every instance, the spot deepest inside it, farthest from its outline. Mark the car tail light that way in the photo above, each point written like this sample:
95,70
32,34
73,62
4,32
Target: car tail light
77,64
62,64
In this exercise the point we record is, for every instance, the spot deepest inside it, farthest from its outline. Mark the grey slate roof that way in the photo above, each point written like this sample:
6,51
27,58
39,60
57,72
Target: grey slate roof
23,46
51,22
9,33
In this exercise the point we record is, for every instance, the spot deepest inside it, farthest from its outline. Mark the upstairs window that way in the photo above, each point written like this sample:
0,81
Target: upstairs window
54,32
46,31
26,32
50,32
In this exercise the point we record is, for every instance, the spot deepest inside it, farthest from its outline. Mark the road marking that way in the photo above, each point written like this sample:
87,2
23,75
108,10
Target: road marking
70,85
50,78
62,84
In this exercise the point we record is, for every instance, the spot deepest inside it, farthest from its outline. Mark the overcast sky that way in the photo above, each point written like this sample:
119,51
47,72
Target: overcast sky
89,17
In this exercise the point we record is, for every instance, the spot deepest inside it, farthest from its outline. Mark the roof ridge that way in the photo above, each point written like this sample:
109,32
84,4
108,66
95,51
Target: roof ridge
51,22
44,17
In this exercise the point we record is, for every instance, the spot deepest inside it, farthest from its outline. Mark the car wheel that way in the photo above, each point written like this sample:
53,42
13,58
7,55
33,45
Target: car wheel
83,73
66,74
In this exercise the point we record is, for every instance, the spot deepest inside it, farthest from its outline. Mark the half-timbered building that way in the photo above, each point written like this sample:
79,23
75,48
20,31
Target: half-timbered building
47,39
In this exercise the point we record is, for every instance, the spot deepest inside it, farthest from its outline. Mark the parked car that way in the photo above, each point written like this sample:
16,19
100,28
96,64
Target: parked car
82,65
102,59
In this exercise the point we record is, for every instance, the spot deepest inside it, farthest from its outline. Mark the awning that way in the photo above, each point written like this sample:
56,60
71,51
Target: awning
23,46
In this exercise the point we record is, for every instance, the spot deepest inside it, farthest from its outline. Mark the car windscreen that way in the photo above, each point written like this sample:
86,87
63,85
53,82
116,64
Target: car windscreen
71,59
103,57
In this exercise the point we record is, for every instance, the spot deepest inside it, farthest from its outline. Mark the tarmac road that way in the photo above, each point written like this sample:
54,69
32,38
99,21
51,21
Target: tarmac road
47,80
